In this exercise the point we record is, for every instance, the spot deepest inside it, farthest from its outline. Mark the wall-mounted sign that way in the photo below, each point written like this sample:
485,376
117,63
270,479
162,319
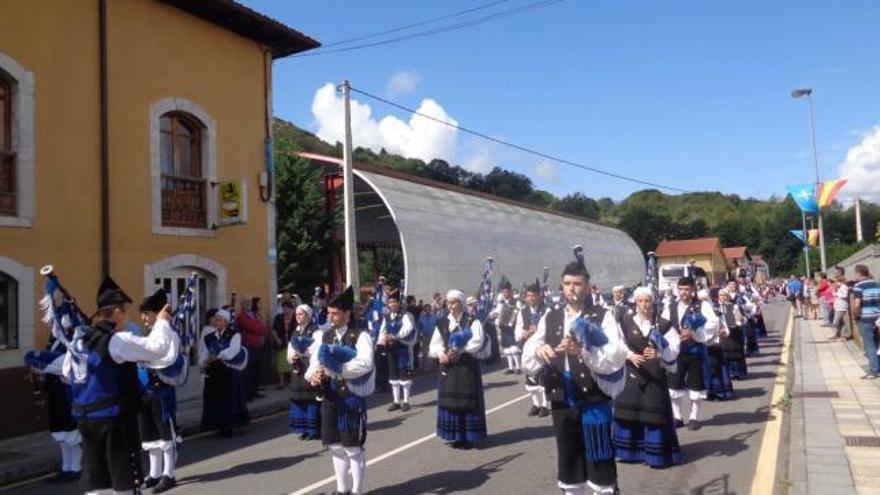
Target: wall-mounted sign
231,202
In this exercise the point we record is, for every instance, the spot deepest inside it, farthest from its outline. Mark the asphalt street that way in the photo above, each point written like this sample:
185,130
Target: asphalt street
518,457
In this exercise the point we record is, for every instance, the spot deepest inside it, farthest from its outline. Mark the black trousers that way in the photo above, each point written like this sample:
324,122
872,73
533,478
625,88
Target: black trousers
572,465
251,375
111,454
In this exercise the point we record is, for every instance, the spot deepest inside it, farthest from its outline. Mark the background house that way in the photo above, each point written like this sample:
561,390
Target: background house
706,252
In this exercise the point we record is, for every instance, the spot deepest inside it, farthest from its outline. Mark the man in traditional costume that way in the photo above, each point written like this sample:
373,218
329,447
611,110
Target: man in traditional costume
341,365
526,325
504,316
579,350
643,424
696,323
305,410
456,344
398,336
101,364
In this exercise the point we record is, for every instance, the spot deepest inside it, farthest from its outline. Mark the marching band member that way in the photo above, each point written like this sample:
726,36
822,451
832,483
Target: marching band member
342,366
397,335
456,344
101,364
581,354
643,422
526,326
221,359
620,306
305,410
733,346
720,386
695,322
46,368
505,315
157,421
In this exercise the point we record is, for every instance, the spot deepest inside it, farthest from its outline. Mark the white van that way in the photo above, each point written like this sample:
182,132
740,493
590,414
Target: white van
670,273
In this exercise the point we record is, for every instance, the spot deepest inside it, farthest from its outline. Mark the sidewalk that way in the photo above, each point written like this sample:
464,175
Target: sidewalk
835,417
37,454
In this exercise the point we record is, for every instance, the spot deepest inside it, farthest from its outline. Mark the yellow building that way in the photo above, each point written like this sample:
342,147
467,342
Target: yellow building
706,252
134,141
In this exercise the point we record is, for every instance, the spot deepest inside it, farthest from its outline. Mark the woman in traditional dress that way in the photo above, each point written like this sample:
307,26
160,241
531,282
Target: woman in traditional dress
305,410
221,358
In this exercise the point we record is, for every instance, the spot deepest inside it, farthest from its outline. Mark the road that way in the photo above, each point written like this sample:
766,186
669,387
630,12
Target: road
518,457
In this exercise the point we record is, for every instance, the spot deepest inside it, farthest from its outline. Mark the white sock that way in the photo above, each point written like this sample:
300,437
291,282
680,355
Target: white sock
695,410
358,462
406,385
544,400
581,490
395,391
676,408
340,467
517,361
169,456
535,393
76,455
155,463
65,456
599,489
511,363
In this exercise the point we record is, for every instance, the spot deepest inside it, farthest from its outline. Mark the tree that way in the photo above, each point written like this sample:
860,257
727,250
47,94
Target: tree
579,205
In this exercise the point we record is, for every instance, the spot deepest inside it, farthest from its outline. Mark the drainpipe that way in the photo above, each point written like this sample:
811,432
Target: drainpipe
105,152
269,174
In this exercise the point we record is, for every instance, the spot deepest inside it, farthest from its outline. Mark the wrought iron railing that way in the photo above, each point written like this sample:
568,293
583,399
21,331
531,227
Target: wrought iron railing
184,202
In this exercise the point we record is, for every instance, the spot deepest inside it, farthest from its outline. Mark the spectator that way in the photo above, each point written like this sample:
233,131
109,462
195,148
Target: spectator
826,298
282,327
253,335
866,310
425,325
841,305
795,294
812,300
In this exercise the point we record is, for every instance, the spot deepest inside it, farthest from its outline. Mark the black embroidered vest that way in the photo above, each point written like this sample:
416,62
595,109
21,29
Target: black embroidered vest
585,387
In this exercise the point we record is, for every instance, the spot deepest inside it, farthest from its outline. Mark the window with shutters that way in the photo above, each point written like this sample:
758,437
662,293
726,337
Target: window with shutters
184,185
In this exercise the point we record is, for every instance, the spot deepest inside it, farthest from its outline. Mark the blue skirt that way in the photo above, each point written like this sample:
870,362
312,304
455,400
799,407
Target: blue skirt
463,425
720,385
751,337
305,418
737,368
655,445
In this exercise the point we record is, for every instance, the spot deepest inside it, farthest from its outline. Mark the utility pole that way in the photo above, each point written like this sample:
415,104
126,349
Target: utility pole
859,236
806,242
808,92
351,256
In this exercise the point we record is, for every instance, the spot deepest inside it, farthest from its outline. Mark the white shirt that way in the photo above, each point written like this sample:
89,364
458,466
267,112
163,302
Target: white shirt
671,352
407,326
522,325
841,298
157,350
703,334
360,365
438,346
226,354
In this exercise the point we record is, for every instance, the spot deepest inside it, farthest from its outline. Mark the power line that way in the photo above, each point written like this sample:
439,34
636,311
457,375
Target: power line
416,24
438,30
519,147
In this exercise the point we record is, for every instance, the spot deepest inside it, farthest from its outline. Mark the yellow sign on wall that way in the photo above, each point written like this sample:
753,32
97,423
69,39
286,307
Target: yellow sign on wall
231,202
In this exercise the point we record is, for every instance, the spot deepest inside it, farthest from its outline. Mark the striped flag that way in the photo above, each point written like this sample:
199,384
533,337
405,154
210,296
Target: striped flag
828,191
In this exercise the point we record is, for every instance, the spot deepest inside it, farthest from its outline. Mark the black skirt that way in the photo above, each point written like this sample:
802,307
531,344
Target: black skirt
459,388
157,417
223,403
645,397
59,395
734,345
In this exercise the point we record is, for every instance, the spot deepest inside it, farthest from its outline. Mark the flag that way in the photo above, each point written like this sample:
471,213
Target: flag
828,190
798,233
813,237
805,197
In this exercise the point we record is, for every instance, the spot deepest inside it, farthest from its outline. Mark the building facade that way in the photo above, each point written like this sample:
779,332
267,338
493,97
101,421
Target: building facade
136,142
706,253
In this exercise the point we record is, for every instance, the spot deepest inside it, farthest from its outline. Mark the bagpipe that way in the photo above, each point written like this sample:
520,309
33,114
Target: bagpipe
332,357
546,294
458,340
185,323
374,311
485,301
219,344
300,344
316,307
60,310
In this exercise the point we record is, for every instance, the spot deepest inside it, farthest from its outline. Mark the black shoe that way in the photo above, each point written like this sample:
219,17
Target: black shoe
394,407
508,372
679,423
544,412
405,407
165,484
151,482
534,411
693,425
60,477
73,475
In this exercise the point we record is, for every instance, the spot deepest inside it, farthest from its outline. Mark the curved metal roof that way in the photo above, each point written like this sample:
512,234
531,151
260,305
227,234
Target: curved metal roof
446,233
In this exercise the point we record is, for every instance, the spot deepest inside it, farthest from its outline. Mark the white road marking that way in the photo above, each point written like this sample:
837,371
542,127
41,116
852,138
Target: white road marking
402,448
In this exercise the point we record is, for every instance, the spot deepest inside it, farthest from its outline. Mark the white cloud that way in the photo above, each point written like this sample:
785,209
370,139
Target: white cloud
416,138
403,82
861,168
546,171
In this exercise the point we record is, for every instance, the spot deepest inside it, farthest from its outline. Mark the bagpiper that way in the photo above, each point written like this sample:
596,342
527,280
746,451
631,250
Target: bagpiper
526,325
305,410
222,359
397,335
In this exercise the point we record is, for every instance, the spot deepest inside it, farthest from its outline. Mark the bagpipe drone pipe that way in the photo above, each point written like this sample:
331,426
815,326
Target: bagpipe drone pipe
300,344
333,358
185,323
60,310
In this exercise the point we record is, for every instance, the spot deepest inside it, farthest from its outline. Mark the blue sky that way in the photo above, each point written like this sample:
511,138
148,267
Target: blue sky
694,94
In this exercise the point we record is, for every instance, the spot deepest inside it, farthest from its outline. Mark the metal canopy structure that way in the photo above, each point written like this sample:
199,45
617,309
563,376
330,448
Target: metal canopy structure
445,233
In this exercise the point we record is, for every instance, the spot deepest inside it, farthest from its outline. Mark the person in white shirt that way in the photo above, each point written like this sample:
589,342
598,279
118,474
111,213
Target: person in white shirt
841,306
398,336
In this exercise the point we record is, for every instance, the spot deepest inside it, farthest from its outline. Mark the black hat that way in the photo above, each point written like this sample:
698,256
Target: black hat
535,287
154,303
109,294
688,281
343,301
504,284
577,269
395,294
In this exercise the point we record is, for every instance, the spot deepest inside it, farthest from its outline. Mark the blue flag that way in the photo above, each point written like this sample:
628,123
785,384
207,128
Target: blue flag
805,197
798,233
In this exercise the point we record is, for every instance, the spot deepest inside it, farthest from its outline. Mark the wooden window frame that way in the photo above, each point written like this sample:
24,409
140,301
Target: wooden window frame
185,190
8,177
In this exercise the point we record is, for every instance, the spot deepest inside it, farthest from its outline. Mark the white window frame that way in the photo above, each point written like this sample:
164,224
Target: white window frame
24,275
22,141
209,164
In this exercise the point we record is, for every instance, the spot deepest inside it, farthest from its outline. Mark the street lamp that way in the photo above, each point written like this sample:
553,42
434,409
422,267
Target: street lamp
808,92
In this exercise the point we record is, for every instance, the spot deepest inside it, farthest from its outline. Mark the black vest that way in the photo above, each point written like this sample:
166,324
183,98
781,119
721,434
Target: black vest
350,339
675,319
585,389
459,387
